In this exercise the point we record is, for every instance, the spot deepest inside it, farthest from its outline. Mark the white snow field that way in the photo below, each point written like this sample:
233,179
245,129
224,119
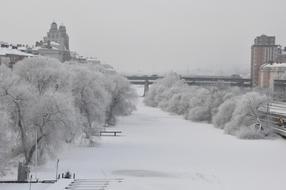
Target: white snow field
165,152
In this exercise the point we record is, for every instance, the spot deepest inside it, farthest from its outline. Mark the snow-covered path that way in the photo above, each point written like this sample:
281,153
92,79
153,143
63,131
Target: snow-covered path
162,151
165,152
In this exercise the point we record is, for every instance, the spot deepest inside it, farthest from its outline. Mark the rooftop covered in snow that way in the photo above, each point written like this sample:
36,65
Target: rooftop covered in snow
274,65
10,51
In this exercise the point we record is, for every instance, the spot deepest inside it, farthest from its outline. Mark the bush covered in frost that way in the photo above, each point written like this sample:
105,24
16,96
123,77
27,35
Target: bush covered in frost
245,112
224,113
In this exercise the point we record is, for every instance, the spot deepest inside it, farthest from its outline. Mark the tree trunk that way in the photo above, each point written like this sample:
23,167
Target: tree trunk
22,130
32,150
23,172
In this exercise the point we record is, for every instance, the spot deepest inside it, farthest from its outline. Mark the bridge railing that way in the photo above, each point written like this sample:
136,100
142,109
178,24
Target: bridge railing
199,81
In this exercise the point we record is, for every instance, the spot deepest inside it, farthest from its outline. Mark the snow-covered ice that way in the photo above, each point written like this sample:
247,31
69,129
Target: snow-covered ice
161,151
60,184
25,186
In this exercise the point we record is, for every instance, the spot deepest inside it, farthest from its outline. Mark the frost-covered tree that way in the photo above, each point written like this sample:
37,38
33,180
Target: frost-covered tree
7,140
54,118
195,103
179,102
16,97
226,107
245,113
157,91
51,116
224,113
199,106
44,74
122,99
114,97
165,97
49,103
91,99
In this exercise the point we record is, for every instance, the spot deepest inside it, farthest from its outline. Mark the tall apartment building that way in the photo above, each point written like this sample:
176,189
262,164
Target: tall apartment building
263,51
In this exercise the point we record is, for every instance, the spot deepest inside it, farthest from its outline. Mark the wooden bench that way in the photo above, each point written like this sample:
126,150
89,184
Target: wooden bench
101,133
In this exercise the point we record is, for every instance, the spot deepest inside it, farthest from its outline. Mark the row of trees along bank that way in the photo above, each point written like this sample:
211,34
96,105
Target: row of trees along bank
57,103
233,109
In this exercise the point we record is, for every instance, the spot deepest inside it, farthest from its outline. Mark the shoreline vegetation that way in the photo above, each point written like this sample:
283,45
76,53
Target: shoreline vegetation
231,109
45,104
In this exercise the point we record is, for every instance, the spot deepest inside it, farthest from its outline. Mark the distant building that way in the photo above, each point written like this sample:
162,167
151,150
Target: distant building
282,56
270,72
58,35
263,51
9,54
81,59
55,44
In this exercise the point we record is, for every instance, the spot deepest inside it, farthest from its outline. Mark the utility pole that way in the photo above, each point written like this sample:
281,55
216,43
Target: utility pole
30,185
268,108
57,169
36,156
268,114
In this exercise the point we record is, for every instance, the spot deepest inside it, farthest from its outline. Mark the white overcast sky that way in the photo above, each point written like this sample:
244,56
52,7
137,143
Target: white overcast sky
152,36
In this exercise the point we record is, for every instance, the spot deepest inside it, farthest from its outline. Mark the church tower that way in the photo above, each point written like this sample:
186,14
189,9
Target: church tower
64,36
58,35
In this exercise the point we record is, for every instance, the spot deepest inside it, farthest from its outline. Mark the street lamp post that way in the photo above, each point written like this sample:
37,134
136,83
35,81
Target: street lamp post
57,169
36,156
268,107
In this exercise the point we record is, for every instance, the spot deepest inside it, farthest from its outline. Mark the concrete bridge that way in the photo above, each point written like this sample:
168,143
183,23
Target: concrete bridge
193,80
196,80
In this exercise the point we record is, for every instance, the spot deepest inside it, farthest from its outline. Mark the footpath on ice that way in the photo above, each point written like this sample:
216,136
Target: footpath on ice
161,151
